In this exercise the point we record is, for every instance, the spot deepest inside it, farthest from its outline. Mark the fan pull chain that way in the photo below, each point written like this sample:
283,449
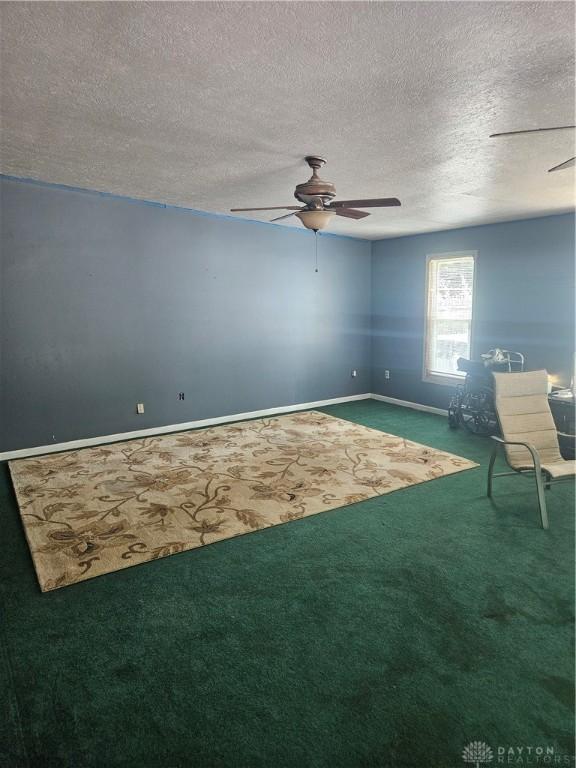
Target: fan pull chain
316,248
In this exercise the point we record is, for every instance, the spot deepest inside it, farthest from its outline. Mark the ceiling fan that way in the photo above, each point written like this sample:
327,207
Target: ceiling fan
319,207
566,164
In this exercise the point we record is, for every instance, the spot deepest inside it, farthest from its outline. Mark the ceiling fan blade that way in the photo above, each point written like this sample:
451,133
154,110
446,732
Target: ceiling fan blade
532,130
279,218
377,202
566,164
351,214
272,208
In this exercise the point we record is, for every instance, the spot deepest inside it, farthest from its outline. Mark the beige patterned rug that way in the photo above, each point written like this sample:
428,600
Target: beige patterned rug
97,510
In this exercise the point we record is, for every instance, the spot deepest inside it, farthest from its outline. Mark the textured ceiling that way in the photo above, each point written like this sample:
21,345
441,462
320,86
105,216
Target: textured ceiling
213,105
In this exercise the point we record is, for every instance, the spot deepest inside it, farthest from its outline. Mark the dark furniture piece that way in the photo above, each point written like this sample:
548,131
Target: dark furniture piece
564,414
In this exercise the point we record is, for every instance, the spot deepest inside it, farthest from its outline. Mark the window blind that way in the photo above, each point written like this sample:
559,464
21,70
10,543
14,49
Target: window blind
449,313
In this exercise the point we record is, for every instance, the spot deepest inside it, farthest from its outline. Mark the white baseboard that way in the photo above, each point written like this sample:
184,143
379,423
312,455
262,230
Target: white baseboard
409,404
23,453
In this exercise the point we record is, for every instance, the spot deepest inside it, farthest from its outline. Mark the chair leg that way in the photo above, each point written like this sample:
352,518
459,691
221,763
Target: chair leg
491,470
548,483
541,499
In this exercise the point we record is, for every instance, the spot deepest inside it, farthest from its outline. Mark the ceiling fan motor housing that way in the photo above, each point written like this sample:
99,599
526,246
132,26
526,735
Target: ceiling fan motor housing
315,187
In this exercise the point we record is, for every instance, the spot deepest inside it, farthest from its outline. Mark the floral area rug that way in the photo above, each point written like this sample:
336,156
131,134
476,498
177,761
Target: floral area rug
96,510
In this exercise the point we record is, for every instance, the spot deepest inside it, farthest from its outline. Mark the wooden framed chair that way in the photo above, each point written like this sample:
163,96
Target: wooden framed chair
529,436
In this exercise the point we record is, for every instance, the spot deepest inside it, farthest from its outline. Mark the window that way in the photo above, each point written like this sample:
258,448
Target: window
449,293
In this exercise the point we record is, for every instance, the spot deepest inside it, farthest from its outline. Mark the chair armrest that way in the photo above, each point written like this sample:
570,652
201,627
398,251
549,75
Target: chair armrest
531,448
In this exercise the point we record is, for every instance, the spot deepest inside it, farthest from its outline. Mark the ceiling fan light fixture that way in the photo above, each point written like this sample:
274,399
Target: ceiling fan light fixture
315,219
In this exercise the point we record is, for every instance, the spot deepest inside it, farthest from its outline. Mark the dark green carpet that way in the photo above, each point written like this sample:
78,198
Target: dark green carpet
389,633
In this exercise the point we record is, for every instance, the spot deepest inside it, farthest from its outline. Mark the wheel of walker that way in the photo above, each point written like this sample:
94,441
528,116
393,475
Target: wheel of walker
453,420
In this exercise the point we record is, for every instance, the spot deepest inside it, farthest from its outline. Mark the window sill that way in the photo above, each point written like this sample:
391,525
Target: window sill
445,380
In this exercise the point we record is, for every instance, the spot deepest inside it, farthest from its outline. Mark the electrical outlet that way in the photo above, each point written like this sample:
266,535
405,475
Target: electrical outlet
139,407
180,395
386,374
354,373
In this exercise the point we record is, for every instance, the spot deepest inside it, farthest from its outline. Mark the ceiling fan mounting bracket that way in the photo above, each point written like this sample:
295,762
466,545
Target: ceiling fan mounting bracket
315,187
315,161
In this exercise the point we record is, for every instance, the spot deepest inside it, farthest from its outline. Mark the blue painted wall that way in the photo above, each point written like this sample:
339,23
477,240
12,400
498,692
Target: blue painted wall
107,302
524,300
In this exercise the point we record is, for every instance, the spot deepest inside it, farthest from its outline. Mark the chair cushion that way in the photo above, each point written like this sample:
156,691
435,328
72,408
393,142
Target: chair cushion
561,468
556,469
521,401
